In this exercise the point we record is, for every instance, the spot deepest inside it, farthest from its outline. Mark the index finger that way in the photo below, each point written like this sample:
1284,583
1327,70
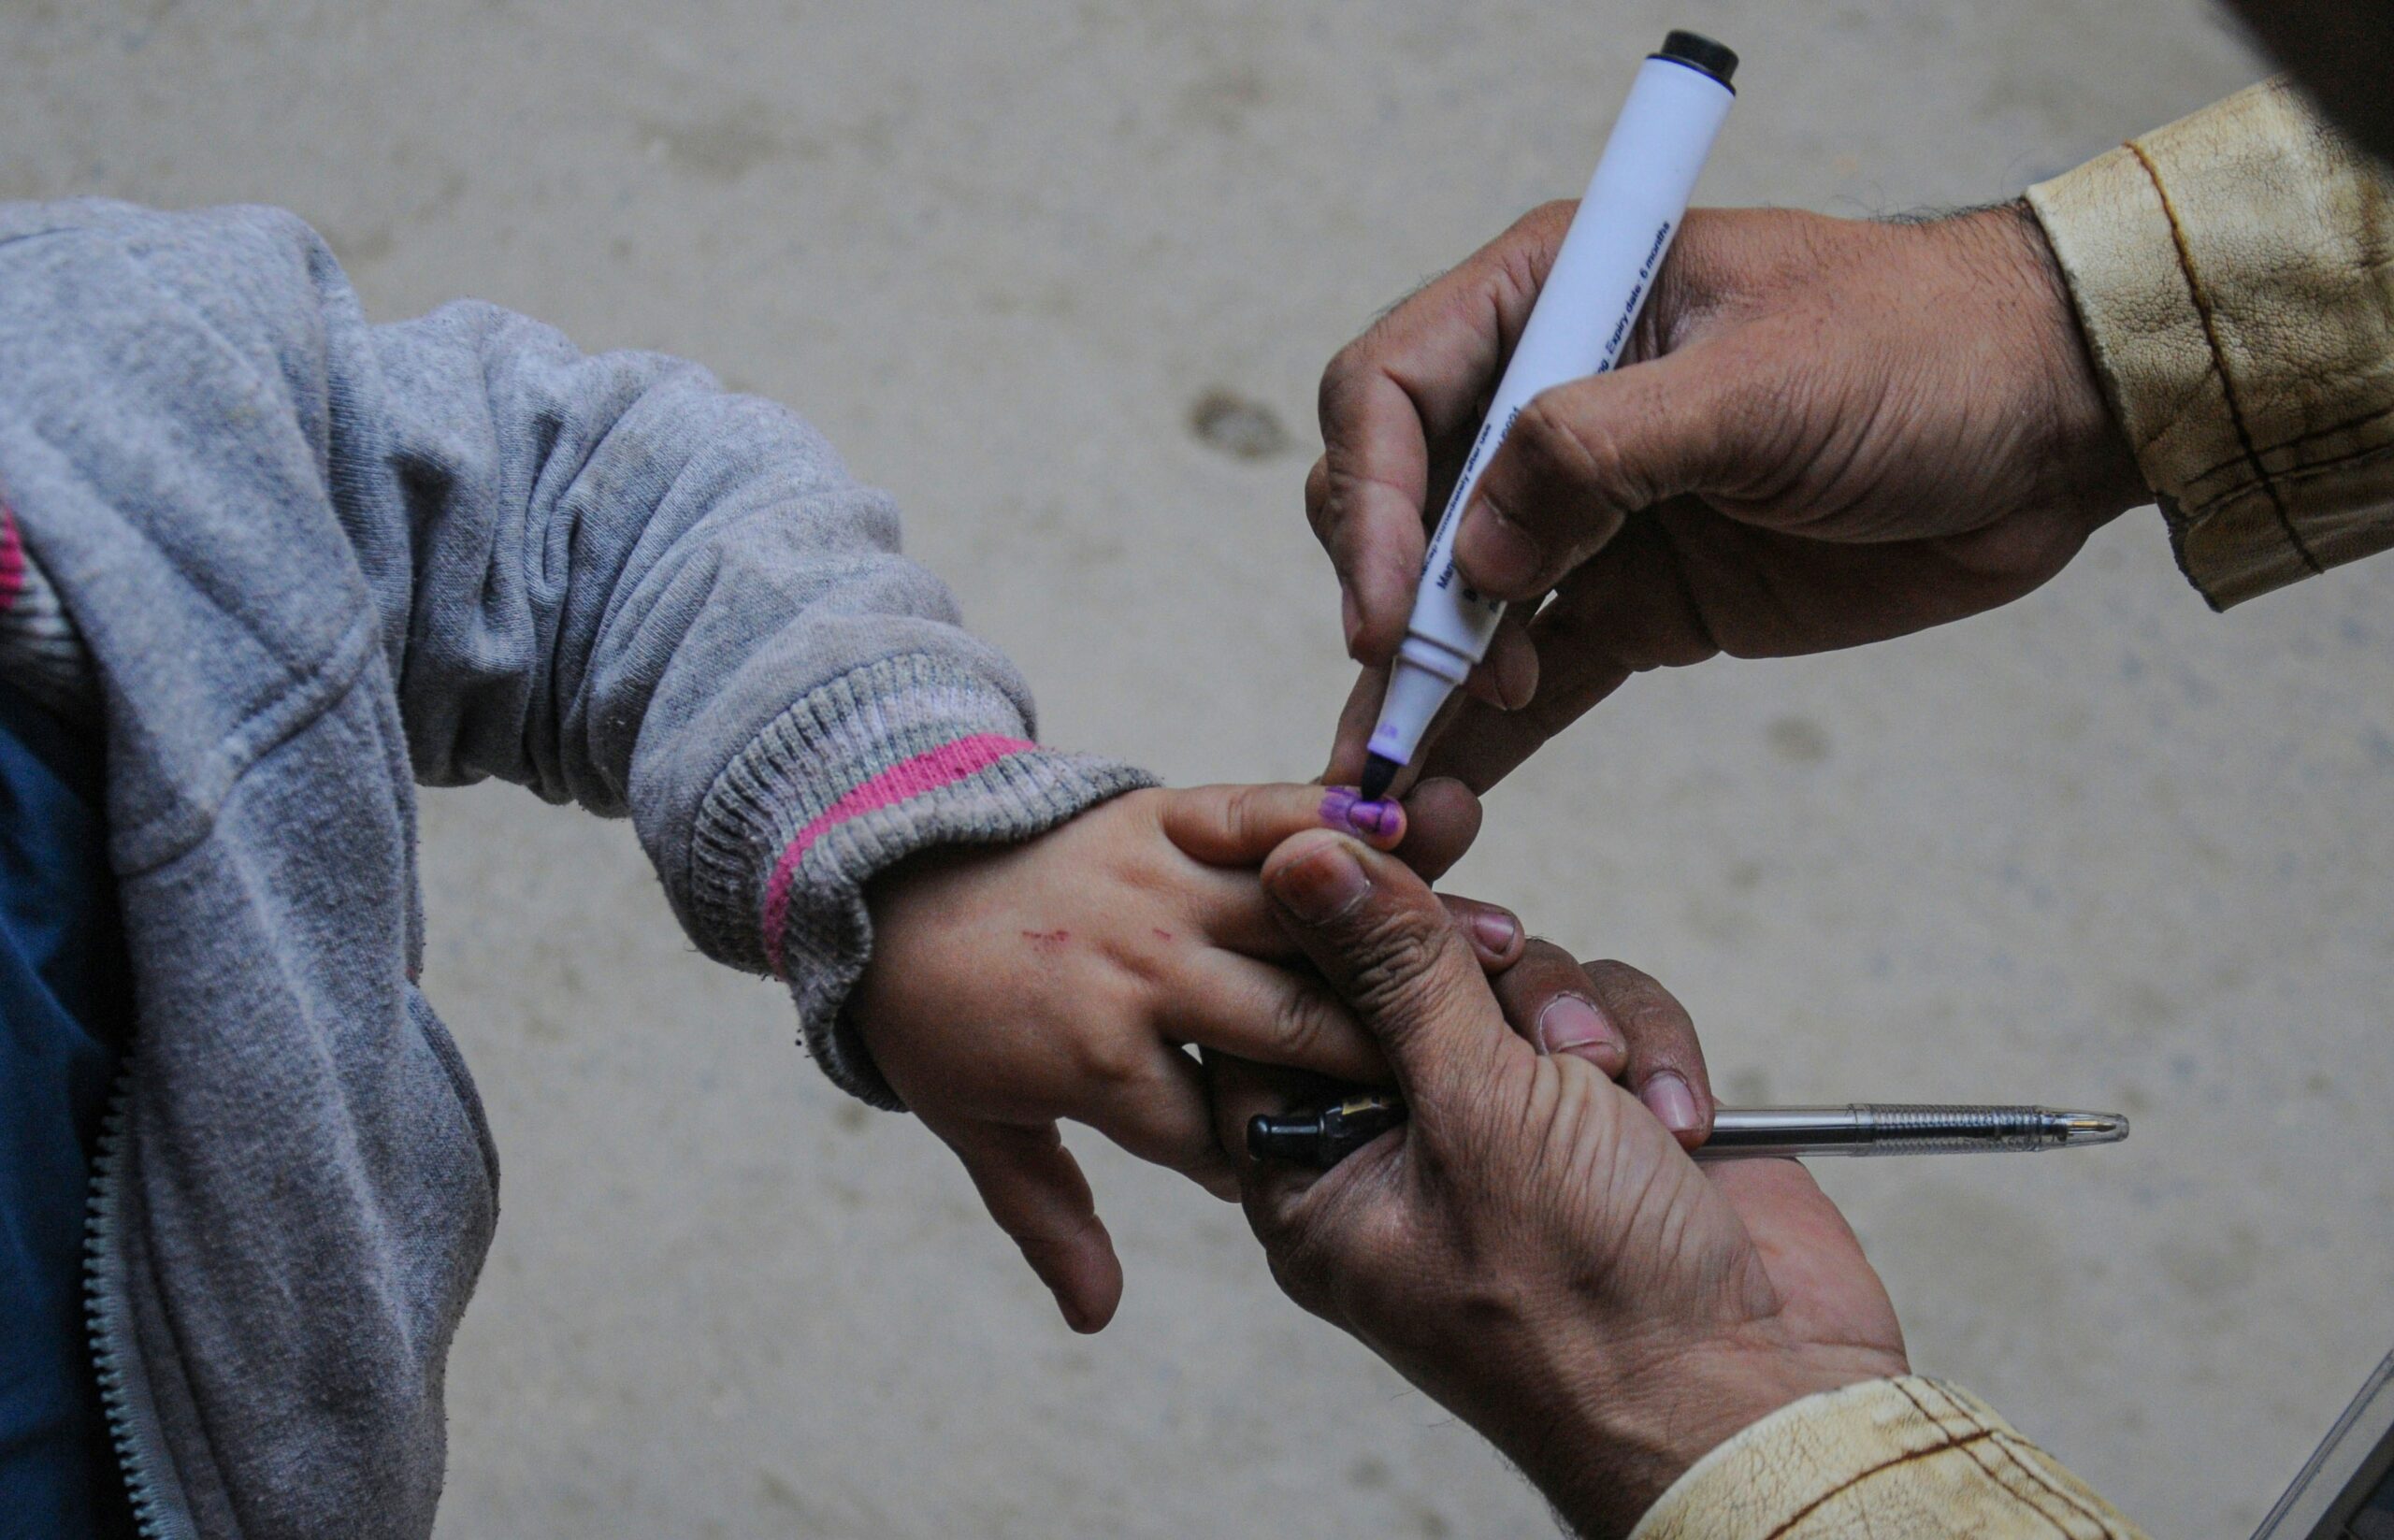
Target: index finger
1414,380
1240,825
1633,607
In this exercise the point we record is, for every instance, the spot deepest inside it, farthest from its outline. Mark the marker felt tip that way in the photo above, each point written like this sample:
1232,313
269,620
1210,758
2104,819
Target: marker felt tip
1582,317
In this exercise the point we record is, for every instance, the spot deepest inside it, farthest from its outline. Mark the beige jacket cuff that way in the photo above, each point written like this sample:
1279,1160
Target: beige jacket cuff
1907,1457
2231,273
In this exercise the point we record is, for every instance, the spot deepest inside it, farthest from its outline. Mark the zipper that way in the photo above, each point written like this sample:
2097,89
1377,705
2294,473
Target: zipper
108,1319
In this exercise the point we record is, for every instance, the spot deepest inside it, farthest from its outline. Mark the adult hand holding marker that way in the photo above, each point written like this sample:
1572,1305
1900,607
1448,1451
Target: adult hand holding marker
1822,432
1578,327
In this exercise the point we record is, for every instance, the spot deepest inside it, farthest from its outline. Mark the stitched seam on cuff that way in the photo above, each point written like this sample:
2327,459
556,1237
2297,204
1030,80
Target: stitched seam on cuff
1907,1457
2219,359
2011,1451
2296,442
1969,1448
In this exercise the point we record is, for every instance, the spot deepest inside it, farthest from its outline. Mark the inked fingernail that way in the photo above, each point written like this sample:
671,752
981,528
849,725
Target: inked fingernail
1668,1099
1570,1022
1495,930
1323,885
1344,808
1507,555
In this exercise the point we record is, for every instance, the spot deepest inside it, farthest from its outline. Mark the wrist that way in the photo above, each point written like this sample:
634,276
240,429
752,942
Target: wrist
2090,465
1627,1438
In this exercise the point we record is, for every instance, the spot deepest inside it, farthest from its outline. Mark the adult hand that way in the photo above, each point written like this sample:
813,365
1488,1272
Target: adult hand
1826,432
1533,1248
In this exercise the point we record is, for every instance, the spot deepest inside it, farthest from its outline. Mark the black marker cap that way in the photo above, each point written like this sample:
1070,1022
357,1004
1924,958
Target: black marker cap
1697,52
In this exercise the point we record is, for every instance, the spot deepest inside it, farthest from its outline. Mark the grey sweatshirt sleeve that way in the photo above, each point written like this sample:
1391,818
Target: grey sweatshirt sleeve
607,579
632,588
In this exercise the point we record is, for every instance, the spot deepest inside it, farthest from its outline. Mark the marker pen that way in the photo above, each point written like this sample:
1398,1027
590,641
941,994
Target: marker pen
1582,317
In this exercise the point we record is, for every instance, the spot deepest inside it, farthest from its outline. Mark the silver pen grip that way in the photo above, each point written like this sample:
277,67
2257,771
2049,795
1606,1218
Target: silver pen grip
1931,1130
1868,1128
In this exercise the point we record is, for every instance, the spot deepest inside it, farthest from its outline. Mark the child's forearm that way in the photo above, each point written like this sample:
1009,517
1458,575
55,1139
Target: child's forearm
709,625
602,577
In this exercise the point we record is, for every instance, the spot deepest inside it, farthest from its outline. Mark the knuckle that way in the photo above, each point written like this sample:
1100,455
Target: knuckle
1577,451
1612,977
1114,1063
1297,1269
1340,380
1399,963
1543,956
1547,215
1302,1025
1243,813
1041,1245
1148,807
1649,1015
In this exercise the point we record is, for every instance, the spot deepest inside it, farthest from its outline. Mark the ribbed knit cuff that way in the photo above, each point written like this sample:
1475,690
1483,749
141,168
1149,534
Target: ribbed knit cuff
896,757
1908,1456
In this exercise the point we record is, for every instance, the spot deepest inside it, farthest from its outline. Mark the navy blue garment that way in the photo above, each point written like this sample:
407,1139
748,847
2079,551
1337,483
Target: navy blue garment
64,1013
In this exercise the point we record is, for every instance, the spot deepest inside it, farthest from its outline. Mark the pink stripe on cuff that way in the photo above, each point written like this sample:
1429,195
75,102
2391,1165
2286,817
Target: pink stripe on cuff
926,772
12,559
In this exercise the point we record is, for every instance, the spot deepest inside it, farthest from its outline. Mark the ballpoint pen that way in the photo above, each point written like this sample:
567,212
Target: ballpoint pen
1326,1135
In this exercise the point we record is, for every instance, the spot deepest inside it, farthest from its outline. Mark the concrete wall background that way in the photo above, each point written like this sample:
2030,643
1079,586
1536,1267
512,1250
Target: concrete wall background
2102,847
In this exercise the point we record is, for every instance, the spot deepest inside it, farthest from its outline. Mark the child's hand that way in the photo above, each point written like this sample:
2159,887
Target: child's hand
1063,978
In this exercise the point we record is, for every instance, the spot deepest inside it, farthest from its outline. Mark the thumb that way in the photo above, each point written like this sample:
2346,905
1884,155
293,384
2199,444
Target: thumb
1583,457
1034,1189
1239,825
1386,945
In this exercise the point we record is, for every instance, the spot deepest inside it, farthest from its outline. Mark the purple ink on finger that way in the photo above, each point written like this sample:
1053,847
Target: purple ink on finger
1343,808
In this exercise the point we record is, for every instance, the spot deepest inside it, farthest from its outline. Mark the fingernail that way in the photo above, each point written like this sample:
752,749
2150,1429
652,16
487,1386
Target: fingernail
1496,930
1323,885
1570,1022
1668,1099
1506,556
1351,615
1344,808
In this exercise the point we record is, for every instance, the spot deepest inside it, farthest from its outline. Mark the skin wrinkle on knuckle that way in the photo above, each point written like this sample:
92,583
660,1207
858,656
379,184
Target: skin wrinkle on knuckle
1526,252
1158,871
1151,969
1580,483
1301,1026
1396,969
1346,487
1117,1064
1322,1267
1339,379
1241,813
1656,1027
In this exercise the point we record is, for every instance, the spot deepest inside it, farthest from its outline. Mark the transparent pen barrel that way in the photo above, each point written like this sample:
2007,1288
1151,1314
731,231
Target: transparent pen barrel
1877,1130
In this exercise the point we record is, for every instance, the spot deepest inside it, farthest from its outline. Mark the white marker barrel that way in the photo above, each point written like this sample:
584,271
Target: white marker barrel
1581,322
